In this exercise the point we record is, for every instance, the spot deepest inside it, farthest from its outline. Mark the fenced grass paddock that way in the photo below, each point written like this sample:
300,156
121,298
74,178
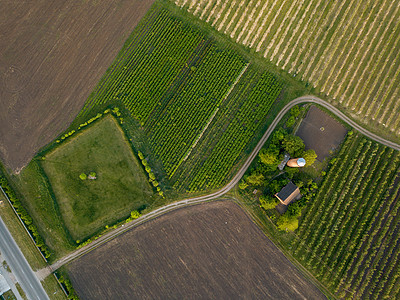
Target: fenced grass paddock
120,186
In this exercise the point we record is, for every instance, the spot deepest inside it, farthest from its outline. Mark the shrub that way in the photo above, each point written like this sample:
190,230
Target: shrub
243,184
83,176
255,179
140,154
268,202
287,222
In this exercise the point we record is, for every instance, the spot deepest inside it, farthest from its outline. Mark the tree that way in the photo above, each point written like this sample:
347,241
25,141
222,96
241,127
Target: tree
288,222
140,155
268,202
92,174
243,184
290,121
269,156
294,209
278,136
295,111
309,156
293,145
255,179
135,214
83,176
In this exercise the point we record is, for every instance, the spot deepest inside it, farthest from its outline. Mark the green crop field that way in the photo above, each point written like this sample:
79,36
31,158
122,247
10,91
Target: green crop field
348,50
349,235
191,96
120,186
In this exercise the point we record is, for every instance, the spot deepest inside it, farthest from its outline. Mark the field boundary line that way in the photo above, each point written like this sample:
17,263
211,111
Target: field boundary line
216,110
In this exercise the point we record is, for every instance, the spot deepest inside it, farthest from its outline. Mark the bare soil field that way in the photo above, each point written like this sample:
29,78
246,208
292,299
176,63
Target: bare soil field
52,54
321,132
207,251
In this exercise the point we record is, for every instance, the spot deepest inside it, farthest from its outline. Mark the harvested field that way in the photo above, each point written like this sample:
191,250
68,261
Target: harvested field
348,50
52,54
210,251
321,132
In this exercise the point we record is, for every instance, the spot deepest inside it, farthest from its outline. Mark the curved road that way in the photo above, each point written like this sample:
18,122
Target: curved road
222,191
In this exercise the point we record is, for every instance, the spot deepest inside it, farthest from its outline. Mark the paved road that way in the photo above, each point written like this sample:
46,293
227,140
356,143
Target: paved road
19,266
225,189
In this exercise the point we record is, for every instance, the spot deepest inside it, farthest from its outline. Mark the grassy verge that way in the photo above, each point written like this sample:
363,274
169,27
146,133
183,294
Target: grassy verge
21,291
29,250
53,289
20,236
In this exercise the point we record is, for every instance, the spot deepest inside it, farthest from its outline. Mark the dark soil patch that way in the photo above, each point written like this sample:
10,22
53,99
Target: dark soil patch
52,54
321,132
208,251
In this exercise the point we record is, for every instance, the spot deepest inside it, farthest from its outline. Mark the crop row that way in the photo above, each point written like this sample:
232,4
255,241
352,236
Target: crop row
187,112
355,58
234,126
146,68
348,235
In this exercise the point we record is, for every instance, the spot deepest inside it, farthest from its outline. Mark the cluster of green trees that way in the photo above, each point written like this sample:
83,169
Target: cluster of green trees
265,176
152,177
25,217
282,142
83,176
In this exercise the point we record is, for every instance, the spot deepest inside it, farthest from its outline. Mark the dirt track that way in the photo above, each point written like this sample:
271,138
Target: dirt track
52,54
207,251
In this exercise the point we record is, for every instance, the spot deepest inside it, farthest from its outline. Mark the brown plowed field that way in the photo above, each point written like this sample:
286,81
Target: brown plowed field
208,251
52,54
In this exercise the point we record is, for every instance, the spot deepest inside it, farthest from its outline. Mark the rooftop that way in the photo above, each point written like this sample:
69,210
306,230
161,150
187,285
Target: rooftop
288,193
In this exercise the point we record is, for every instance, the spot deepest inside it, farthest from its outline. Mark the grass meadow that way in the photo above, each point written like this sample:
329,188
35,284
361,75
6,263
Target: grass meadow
120,185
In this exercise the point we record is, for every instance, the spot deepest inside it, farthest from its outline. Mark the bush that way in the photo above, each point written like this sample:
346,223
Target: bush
83,176
140,155
255,179
268,202
293,145
310,156
294,209
295,111
243,184
290,121
269,156
287,222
